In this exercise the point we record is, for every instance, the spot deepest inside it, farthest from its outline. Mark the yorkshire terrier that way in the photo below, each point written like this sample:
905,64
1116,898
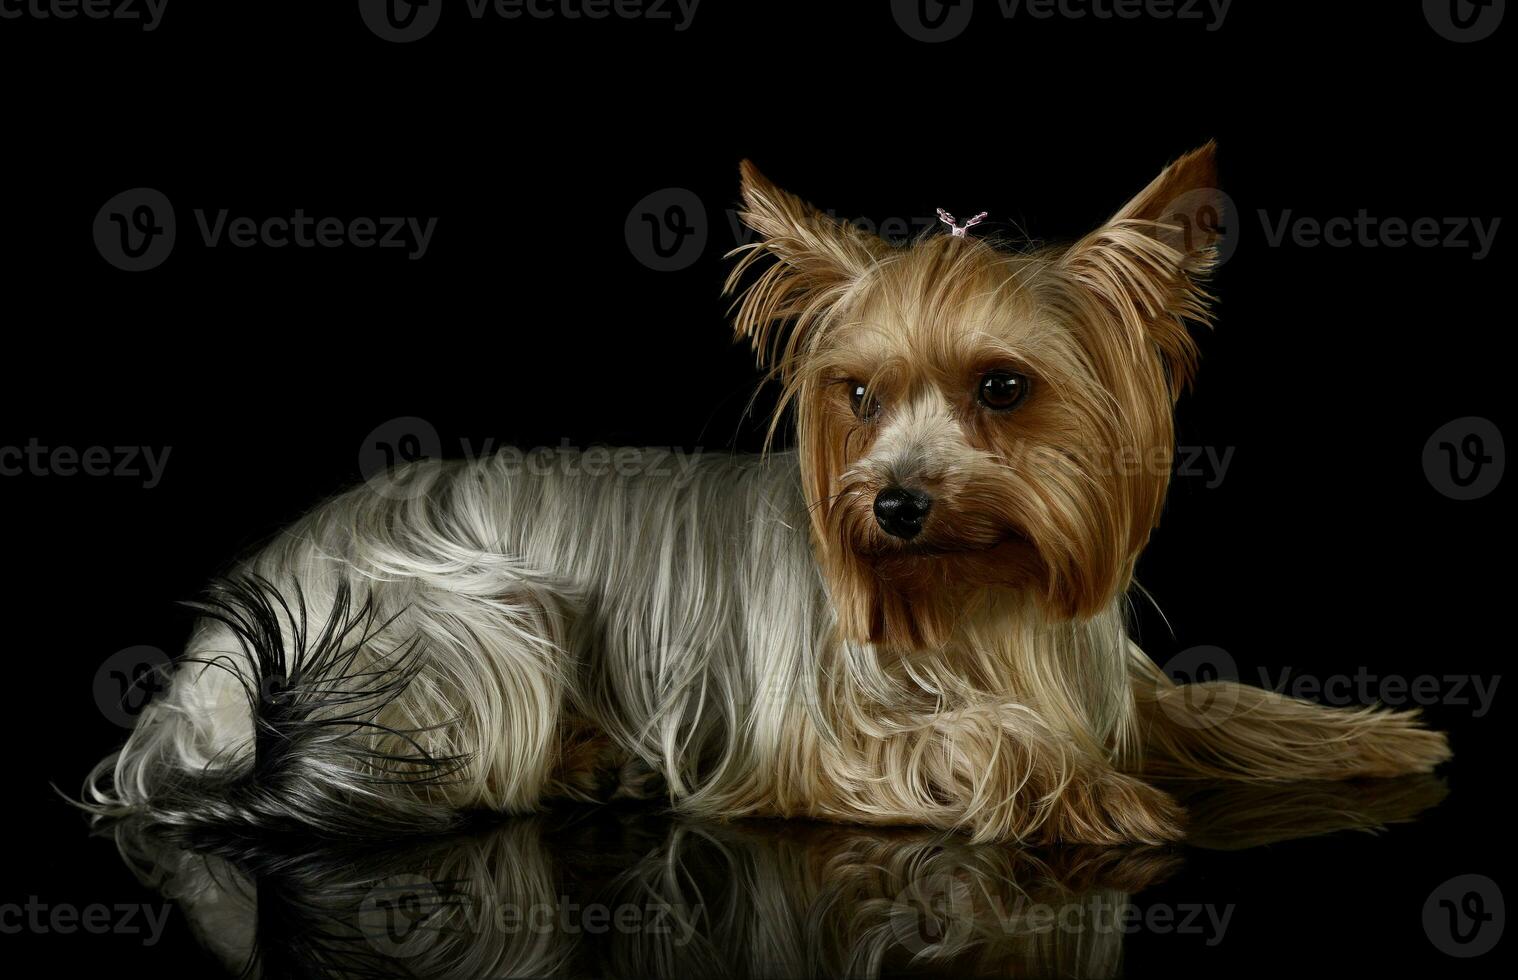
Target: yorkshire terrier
916,617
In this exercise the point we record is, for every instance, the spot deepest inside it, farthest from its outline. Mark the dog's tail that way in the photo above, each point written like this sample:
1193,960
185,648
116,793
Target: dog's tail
1225,730
272,724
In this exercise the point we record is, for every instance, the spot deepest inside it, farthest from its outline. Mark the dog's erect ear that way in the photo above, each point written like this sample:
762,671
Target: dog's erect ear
1178,193
1148,262
818,261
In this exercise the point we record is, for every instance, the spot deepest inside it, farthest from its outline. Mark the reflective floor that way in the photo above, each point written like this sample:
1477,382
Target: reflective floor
628,892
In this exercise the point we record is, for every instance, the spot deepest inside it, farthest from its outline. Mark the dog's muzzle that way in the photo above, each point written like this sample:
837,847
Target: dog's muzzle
900,512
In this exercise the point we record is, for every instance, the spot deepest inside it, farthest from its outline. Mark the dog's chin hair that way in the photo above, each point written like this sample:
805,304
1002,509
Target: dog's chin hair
987,554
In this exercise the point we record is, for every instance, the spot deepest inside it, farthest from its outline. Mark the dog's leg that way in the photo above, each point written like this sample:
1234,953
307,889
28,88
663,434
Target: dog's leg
1223,730
996,770
593,768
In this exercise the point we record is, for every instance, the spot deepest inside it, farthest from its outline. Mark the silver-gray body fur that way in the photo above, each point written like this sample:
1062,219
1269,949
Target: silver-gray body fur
652,612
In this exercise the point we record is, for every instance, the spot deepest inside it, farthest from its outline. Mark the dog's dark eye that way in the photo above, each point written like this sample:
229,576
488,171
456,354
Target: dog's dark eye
866,410
1003,390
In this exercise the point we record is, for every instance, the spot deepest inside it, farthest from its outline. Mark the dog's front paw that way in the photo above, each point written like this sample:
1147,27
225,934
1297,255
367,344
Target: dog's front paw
1112,808
1396,745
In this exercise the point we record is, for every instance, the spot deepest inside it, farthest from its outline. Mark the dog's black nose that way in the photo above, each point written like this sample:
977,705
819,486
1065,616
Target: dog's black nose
901,512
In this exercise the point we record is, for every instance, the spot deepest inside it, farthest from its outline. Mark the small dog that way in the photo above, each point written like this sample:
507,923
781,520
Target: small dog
915,618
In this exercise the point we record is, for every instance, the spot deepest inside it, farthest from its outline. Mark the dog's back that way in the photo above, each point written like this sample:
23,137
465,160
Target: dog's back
484,634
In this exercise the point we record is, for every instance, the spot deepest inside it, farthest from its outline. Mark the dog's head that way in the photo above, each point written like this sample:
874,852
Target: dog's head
976,423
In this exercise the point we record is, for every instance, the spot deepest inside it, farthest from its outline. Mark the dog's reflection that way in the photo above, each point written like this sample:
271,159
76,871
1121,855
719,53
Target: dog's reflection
631,893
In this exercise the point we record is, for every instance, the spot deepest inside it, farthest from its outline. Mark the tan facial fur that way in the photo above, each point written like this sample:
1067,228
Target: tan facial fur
1049,502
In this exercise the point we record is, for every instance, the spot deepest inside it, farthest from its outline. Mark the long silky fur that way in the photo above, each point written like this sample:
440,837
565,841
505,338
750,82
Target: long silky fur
739,627
318,760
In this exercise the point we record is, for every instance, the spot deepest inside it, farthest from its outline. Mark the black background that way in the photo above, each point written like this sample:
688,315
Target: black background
1325,549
